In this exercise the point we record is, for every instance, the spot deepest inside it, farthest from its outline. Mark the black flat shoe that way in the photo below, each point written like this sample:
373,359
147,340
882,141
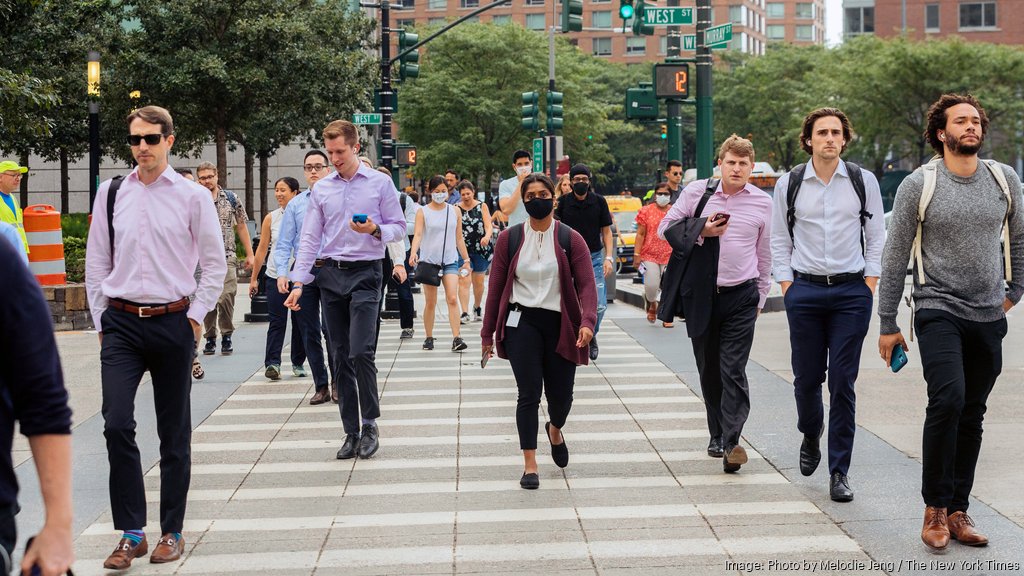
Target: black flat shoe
559,452
715,449
530,481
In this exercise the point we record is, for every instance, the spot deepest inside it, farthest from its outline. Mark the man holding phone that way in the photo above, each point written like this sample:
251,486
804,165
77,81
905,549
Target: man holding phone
961,294
737,217
827,237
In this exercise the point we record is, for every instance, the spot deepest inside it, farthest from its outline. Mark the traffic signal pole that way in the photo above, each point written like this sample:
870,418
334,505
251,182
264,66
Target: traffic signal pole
705,159
674,117
387,110
552,139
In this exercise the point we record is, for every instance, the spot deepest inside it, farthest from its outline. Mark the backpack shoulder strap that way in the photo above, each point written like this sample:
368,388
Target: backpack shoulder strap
1000,177
403,199
709,191
515,238
857,179
929,172
565,240
232,198
796,178
115,185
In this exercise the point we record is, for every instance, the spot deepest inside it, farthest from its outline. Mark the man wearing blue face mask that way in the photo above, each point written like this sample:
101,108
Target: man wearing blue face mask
586,212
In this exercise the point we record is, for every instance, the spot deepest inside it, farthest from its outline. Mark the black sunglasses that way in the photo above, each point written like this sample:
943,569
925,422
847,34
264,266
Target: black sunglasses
151,139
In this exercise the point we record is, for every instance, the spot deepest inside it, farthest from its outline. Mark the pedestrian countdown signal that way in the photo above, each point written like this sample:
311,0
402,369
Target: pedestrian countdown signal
406,156
672,81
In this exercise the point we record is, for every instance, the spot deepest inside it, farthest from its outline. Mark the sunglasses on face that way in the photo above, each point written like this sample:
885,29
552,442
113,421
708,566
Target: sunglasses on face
151,139
676,173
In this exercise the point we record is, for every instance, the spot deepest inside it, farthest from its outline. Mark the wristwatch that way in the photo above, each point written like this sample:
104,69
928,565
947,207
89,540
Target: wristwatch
609,258
376,232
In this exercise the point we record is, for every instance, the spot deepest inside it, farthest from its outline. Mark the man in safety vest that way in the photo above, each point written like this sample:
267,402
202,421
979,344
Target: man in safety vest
10,211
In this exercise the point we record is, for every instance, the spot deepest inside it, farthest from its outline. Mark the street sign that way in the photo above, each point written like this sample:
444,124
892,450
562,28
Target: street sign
718,34
655,16
366,118
538,154
690,43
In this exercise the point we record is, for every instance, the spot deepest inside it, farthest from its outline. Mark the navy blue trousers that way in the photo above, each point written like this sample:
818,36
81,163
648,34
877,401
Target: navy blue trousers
827,326
277,326
308,321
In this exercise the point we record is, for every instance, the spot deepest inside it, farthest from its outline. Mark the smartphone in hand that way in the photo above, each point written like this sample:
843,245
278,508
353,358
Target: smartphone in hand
898,358
359,218
721,216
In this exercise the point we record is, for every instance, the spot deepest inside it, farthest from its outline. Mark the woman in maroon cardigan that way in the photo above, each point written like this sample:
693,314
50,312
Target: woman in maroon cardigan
540,315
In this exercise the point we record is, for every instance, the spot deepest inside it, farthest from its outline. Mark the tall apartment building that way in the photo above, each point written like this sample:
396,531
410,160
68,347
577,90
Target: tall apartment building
603,34
795,21
979,20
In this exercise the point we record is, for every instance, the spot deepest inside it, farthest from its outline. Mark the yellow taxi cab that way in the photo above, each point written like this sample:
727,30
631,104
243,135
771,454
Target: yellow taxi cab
624,210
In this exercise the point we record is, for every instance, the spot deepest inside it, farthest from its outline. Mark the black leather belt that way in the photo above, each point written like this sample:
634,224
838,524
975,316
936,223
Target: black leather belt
345,265
831,280
741,285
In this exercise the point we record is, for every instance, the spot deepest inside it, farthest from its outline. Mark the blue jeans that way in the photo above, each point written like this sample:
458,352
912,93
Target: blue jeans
275,330
597,258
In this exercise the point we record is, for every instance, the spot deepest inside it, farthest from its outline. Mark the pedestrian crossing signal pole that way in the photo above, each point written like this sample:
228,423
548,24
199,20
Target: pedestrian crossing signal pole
387,95
704,91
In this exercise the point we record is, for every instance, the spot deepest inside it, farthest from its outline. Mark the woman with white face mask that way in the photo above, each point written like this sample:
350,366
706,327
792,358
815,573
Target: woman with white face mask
650,252
438,240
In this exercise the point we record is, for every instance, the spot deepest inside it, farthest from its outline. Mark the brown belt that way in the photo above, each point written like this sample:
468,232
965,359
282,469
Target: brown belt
145,311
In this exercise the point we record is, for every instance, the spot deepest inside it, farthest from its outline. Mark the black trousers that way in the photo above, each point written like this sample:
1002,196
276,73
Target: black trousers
961,361
162,345
351,300
538,367
721,354
308,321
827,326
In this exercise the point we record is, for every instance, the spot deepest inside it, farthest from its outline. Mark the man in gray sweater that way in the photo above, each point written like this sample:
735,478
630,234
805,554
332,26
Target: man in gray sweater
960,302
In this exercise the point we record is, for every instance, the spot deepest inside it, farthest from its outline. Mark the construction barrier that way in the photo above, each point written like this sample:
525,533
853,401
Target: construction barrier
45,244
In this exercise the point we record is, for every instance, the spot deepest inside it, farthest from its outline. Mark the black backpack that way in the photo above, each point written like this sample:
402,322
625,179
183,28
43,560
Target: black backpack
796,178
515,239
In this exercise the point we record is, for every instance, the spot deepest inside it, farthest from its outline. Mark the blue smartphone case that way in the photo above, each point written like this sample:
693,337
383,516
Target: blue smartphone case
898,358
359,218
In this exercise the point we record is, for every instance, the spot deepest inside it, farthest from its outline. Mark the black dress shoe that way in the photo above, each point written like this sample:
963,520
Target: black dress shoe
715,449
368,444
348,449
593,348
810,453
530,481
839,488
211,347
559,452
225,346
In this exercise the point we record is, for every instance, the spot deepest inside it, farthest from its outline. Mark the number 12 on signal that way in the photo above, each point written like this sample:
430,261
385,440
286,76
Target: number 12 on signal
672,81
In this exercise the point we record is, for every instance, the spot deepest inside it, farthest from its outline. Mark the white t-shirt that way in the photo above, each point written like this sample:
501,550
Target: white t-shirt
505,190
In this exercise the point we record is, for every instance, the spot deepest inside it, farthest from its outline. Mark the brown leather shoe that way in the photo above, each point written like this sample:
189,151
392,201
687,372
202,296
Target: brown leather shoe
961,529
125,552
321,396
652,312
334,392
935,532
734,458
168,549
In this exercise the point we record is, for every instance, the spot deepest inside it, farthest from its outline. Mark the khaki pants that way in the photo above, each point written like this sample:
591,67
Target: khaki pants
652,281
222,313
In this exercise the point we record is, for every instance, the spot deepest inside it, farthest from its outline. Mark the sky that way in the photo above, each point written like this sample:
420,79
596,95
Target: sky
833,22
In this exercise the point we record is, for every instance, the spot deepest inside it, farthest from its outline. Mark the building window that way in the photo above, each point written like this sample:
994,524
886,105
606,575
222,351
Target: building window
776,32
805,10
978,15
736,14
534,2
662,45
602,19
776,10
636,45
469,4
407,3
437,4
535,21
436,22
501,19
804,33
931,17
602,46
594,1
860,20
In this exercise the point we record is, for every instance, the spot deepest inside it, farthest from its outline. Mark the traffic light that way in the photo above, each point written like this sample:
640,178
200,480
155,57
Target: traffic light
625,9
405,155
530,119
664,132
408,67
572,15
554,111
641,28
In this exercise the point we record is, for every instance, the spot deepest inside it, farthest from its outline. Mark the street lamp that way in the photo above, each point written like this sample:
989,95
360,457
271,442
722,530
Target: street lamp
93,91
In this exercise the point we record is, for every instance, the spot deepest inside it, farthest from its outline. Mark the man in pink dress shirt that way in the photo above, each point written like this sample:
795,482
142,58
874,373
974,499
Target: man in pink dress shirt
138,288
738,214
351,215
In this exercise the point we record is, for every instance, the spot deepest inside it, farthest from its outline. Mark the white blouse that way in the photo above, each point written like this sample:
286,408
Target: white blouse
536,282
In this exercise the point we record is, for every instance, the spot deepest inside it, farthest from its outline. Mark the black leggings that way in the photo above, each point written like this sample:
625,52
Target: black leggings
537,366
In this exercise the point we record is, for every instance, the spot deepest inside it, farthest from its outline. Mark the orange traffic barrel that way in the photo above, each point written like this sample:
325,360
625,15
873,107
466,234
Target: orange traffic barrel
45,244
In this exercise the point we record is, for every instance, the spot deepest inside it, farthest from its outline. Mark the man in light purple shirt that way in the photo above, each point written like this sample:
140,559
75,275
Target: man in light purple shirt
738,214
351,215
138,287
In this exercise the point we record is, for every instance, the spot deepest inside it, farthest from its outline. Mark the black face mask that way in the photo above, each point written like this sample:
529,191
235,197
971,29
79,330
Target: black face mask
540,208
580,188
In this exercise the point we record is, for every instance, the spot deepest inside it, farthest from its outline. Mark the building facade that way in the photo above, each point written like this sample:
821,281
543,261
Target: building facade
795,21
974,20
604,33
